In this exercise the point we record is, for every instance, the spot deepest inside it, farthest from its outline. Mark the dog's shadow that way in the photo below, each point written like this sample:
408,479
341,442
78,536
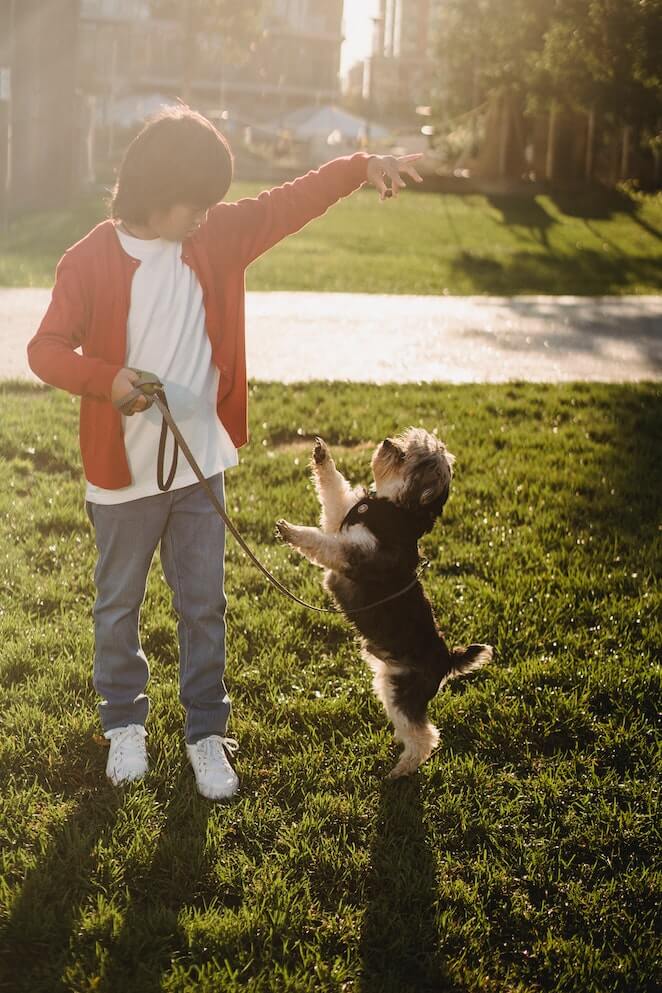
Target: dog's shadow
400,949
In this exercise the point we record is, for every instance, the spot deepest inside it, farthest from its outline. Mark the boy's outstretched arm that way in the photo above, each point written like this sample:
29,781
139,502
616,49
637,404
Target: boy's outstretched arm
253,225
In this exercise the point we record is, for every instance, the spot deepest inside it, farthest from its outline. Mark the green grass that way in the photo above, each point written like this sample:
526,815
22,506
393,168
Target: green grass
588,244
524,856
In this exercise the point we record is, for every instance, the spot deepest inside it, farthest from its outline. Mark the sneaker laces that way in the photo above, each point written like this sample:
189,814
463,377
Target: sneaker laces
231,744
212,747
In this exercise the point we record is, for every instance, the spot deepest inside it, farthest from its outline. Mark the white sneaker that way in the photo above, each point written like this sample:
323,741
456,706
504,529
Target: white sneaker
214,776
128,754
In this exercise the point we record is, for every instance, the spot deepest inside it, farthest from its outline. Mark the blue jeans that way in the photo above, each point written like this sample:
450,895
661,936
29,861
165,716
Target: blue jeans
192,548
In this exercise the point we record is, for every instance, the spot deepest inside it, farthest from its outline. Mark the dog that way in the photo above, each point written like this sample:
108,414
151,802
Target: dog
368,544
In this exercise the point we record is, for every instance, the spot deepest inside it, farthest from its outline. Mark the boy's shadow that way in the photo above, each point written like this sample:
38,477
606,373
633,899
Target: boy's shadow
399,945
36,937
150,934
42,941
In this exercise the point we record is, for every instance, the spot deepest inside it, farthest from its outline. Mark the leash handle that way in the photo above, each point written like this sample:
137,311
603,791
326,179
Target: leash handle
149,386
159,398
146,386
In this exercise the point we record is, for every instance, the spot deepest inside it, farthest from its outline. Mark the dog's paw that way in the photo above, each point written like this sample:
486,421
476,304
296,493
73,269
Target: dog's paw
283,530
320,452
401,769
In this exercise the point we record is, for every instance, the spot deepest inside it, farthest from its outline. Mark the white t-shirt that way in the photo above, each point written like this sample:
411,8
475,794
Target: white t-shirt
166,335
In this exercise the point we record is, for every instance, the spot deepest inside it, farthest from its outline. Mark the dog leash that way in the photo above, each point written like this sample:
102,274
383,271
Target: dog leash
151,388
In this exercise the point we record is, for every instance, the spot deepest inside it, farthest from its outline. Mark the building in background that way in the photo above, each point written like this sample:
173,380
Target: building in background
399,75
296,60
128,52
83,71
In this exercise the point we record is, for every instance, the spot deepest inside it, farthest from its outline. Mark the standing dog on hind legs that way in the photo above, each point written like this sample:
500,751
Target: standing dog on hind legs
368,543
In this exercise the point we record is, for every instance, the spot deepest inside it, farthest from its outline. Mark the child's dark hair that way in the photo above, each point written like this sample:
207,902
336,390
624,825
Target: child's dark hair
178,157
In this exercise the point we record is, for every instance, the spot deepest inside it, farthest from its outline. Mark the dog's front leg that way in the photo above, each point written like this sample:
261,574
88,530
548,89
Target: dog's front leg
327,550
335,494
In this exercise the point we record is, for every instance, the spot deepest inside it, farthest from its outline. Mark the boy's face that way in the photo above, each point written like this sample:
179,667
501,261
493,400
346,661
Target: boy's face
177,222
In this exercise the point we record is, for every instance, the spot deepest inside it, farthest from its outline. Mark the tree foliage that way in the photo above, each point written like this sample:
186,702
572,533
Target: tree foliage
606,54
599,54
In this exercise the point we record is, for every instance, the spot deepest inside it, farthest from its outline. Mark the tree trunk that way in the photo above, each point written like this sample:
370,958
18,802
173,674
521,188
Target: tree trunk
550,163
504,135
657,159
625,153
590,144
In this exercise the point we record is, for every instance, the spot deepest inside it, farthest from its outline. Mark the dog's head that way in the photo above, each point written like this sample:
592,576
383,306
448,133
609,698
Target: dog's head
414,469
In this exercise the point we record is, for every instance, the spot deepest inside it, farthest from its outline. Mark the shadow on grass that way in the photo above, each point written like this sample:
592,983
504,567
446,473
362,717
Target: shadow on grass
585,272
35,940
619,492
602,205
50,939
524,212
150,936
402,890
42,460
23,388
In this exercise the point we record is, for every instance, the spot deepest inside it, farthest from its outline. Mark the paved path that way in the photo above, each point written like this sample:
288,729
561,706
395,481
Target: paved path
357,336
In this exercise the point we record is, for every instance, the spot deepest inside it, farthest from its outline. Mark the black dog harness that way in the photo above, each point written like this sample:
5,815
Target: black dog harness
391,523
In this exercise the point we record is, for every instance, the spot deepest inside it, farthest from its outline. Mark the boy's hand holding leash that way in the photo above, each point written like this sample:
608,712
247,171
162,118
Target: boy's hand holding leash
124,383
383,169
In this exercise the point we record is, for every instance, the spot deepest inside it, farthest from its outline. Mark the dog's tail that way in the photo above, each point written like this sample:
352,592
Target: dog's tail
465,660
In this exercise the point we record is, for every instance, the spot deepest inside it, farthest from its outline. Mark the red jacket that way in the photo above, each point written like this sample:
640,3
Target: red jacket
90,306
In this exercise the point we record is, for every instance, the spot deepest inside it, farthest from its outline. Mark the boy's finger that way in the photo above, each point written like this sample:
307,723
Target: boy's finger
380,186
392,190
393,173
397,183
412,172
139,405
412,157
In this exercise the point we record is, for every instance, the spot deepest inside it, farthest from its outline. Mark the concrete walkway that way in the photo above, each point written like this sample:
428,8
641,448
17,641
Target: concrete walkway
366,337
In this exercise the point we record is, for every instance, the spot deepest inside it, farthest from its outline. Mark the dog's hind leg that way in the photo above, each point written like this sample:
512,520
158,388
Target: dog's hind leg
335,494
407,710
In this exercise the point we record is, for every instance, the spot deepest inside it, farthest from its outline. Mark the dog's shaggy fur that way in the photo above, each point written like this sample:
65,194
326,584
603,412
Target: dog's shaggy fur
368,543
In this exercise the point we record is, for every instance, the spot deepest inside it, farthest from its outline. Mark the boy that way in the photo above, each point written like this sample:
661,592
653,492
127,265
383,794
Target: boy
159,286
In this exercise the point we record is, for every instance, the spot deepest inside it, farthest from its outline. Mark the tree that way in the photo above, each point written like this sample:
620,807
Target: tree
590,54
489,44
605,55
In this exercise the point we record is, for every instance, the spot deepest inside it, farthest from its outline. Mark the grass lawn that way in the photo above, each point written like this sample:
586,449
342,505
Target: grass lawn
524,856
588,244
